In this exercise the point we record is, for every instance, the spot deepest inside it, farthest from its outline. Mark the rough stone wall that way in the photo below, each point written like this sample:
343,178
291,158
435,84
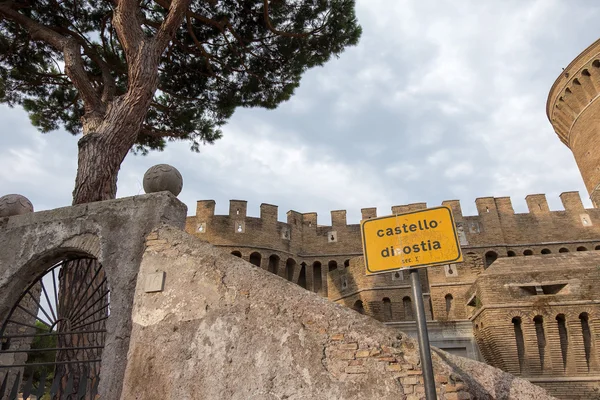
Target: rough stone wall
221,329
113,232
552,299
573,107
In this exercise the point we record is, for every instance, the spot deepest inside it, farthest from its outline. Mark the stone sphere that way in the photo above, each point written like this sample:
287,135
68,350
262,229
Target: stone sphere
163,177
14,204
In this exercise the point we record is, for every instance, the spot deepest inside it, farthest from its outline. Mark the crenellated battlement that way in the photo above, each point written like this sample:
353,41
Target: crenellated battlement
537,204
496,226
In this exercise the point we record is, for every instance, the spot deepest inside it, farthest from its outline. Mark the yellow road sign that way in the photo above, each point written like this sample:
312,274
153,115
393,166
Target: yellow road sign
416,239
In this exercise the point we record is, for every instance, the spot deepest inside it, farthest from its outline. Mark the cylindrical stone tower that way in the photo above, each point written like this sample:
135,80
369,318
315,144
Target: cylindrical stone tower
573,108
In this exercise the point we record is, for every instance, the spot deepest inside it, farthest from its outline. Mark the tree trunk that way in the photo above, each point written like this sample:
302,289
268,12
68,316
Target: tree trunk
98,166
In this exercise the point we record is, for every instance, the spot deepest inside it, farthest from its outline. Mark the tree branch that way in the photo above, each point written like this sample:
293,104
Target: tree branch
281,33
166,32
71,50
128,27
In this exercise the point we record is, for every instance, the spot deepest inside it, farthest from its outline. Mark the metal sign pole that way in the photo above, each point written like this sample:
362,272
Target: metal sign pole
424,349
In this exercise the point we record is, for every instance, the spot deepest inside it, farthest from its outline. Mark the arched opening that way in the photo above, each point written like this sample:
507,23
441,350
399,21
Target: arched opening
302,276
564,338
358,307
582,248
290,264
587,337
408,311
597,247
490,257
387,309
346,263
449,304
546,251
511,253
528,252
541,338
317,279
56,331
273,264
332,265
236,253
563,250
255,259
516,321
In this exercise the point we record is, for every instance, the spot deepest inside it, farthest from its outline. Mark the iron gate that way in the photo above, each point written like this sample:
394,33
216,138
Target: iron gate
52,340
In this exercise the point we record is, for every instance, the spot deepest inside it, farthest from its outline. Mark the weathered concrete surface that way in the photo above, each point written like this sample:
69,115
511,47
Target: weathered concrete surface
112,231
224,329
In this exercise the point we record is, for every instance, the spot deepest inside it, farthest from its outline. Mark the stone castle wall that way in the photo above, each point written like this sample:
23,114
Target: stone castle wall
304,252
573,109
537,317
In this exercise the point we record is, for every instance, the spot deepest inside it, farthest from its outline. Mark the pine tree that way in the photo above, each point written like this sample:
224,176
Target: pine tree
131,75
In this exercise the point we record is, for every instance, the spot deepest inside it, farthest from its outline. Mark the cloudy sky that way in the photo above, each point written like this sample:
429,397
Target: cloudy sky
440,100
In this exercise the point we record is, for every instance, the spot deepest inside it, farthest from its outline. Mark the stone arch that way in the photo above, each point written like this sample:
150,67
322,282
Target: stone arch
346,263
387,309
290,265
90,230
528,252
511,253
255,259
302,275
359,306
520,342
581,248
317,277
597,247
449,299
408,311
236,253
563,250
273,266
490,257
546,251
563,337
332,265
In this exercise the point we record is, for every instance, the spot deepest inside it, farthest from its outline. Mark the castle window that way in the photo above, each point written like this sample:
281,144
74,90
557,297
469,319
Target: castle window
255,258
528,252
563,250
511,253
587,337
585,72
581,248
564,337
317,280
274,264
236,253
490,257
408,311
597,247
387,309
596,64
290,264
516,321
449,299
346,263
546,251
302,276
358,307
541,338
332,265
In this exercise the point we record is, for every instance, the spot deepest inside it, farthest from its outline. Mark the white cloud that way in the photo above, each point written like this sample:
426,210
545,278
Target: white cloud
440,100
